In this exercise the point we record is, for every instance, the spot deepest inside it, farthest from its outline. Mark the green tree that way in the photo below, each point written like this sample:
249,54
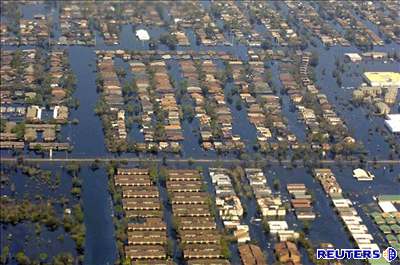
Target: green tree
19,130
22,259
5,252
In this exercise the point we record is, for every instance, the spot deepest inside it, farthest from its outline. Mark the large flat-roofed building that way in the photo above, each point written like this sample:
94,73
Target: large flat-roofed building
393,123
385,79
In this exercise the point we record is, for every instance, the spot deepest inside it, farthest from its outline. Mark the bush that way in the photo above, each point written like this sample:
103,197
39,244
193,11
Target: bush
22,259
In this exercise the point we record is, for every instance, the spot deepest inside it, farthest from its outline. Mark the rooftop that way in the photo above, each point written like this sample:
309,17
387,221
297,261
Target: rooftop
383,78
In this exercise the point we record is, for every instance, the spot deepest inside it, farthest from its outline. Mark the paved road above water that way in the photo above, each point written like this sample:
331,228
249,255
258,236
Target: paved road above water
193,160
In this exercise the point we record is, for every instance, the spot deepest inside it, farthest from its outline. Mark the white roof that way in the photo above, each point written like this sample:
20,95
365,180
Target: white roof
360,173
55,112
142,34
393,122
275,226
353,56
368,246
363,236
387,206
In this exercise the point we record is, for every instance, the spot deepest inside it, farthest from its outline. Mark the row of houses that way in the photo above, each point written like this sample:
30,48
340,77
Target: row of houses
107,21
10,110
198,98
48,132
277,25
251,254
301,201
110,84
147,231
269,205
17,74
74,24
328,114
11,139
386,23
159,112
235,19
269,103
374,55
212,137
392,8
151,55
140,13
228,203
280,229
164,96
77,28
157,98
34,31
191,14
55,65
142,82
49,137
58,70
344,208
112,95
110,31
29,122
122,13
195,224
220,114
308,16
287,253
78,21
255,111
290,86
355,30
181,37
315,114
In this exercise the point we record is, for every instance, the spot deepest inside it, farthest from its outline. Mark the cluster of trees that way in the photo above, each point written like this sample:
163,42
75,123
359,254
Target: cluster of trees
19,130
170,40
23,259
310,249
14,212
240,184
73,224
37,173
120,223
41,212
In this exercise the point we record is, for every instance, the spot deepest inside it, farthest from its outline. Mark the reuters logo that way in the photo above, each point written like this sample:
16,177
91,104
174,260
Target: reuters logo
389,254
